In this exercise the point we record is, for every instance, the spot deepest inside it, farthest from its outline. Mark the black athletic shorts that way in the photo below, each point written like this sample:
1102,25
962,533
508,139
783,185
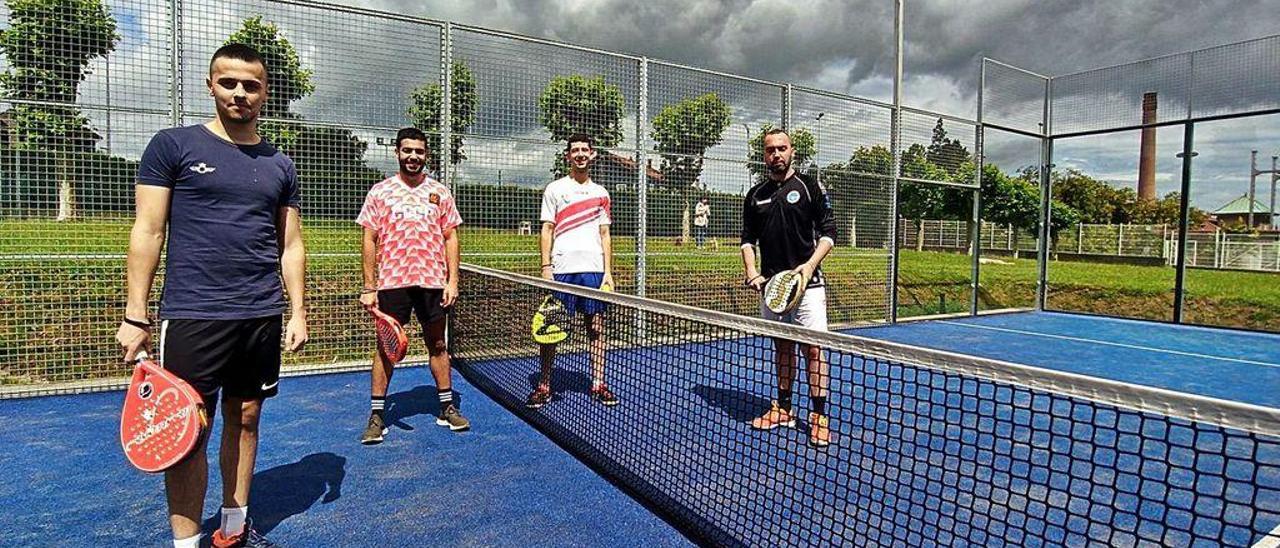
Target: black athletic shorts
423,302
240,357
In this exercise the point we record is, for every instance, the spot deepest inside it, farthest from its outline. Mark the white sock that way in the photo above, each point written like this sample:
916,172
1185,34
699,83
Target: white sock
233,520
189,542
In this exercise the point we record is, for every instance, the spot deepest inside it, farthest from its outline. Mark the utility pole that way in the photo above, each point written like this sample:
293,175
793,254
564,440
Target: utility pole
1254,172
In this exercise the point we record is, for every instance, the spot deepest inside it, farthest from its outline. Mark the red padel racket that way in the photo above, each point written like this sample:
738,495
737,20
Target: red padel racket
163,418
392,342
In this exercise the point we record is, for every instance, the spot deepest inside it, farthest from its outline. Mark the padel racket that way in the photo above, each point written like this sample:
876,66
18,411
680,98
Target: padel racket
783,292
550,322
163,418
392,342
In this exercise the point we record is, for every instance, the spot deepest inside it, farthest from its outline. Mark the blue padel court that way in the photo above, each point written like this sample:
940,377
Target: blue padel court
917,457
1221,363
66,482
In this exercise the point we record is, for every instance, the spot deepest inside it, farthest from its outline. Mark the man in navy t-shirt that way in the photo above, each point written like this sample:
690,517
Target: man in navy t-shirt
231,204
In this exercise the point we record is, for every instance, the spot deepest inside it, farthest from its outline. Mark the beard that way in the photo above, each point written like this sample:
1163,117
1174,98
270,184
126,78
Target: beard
412,168
780,168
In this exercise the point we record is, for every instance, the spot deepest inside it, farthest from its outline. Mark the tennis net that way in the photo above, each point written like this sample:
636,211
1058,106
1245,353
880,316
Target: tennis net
927,447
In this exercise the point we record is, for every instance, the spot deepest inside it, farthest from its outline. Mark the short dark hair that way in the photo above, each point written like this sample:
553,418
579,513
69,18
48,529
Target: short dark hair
410,133
579,138
777,131
240,52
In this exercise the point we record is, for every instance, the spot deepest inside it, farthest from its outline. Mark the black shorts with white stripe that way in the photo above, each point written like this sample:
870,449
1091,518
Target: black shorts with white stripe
239,357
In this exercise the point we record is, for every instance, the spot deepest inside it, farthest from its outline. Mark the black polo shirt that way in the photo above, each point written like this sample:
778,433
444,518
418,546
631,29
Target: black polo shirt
786,220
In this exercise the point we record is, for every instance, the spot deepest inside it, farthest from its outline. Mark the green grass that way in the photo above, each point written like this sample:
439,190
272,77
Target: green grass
62,303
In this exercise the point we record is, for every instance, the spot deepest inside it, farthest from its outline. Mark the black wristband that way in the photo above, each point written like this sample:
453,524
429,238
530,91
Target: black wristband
140,324
367,290
548,265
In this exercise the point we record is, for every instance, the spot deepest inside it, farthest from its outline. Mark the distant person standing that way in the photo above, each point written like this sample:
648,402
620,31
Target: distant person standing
701,218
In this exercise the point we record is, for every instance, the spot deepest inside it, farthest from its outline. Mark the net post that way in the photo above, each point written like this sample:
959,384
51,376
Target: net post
446,104
1184,208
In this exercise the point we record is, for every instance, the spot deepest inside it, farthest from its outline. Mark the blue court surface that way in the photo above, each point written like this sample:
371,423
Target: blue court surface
1230,365
918,457
66,483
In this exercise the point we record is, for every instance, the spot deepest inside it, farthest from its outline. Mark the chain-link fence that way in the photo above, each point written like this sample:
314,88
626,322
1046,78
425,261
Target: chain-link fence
86,88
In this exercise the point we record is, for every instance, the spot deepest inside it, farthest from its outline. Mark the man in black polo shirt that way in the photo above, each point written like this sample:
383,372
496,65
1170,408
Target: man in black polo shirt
230,201
790,219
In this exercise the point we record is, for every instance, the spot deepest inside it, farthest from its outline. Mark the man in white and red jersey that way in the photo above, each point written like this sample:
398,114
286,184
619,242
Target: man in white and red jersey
576,249
411,241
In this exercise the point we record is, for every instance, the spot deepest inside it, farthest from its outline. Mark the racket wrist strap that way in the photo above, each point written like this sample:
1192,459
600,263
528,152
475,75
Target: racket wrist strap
140,324
368,290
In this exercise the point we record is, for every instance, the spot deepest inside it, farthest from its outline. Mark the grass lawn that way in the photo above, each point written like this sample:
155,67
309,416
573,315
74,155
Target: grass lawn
62,289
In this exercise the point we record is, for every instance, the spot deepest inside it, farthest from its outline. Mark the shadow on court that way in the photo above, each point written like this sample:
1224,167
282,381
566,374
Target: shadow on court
739,405
285,491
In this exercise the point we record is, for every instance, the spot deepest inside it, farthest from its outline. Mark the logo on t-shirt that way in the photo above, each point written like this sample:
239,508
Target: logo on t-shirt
203,168
793,196
435,198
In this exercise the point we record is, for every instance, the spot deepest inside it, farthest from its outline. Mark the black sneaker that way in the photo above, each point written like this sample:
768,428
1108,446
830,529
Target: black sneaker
246,539
374,432
603,395
538,398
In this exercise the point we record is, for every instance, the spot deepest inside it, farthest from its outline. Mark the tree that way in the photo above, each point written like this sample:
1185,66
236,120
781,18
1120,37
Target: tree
578,104
801,139
330,160
46,67
946,153
287,80
683,132
424,112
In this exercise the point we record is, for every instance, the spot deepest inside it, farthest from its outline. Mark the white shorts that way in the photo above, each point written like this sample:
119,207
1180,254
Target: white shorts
810,313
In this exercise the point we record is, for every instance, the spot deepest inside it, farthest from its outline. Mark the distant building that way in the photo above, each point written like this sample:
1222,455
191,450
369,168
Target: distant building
1236,212
611,170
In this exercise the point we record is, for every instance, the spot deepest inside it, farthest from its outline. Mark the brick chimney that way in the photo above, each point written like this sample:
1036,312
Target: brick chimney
1147,159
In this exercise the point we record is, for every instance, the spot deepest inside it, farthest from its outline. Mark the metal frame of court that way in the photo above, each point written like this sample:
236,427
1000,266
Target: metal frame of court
1213,84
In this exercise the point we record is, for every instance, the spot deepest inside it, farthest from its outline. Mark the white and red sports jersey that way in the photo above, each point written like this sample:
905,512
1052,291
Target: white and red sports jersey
578,211
410,223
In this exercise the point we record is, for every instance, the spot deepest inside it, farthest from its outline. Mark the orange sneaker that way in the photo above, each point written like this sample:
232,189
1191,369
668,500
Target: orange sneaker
773,418
819,430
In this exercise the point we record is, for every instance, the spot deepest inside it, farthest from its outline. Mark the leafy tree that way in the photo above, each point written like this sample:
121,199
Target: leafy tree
287,80
424,111
805,147
49,44
330,160
578,104
683,132
946,153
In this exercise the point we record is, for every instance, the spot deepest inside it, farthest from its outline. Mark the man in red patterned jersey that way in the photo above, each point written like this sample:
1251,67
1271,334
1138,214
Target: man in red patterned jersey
576,249
411,242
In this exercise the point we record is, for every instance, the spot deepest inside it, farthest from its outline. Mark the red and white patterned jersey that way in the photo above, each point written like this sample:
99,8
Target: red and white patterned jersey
410,223
578,210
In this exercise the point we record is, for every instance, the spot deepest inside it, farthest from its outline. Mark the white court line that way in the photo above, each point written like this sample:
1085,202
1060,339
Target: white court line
1109,343
1272,540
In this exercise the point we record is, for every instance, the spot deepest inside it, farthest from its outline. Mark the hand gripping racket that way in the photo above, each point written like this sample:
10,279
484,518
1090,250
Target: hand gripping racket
163,418
783,292
392,342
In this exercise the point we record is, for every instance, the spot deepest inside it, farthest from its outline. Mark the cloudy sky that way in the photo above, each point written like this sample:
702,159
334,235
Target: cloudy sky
846,46
363,70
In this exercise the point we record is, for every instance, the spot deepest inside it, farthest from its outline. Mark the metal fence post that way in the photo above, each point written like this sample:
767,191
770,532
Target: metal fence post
175,62
1184,208
446,105
642,181
895,150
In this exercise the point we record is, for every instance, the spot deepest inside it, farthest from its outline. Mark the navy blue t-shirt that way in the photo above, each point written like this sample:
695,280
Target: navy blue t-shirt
223,253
